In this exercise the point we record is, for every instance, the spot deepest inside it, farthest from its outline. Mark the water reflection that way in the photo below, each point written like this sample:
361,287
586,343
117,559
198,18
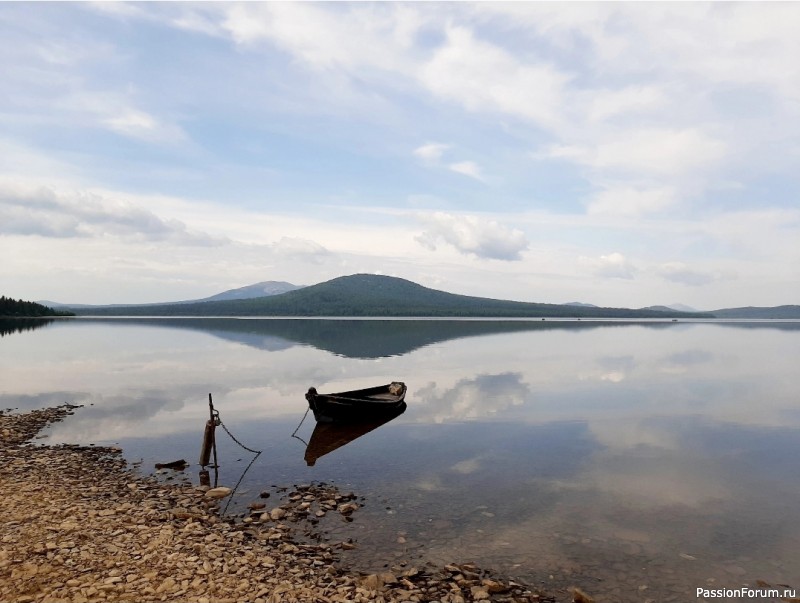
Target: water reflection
474,398
9,326
618,456
363,338
330,436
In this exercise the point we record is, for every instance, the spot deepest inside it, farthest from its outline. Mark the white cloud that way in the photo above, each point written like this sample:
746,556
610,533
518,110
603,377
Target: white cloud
142,125
629,200
635,99
467,168
303,249
481,76
44,211
431,152
472,236
678,272
613,265
324,38
656,152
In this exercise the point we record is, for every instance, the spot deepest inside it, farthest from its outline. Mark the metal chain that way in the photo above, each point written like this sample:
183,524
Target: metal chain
221,424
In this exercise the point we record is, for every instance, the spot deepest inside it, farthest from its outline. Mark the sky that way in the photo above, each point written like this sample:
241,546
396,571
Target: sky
620,154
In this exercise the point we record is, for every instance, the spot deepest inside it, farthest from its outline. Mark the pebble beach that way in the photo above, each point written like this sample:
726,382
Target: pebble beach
80,525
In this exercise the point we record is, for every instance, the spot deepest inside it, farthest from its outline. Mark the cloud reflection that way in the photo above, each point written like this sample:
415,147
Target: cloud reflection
475,398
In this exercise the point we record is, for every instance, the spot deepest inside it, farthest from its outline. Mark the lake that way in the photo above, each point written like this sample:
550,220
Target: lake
638,460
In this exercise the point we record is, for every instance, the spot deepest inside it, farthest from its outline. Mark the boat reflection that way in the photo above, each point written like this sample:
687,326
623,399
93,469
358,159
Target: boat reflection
329,436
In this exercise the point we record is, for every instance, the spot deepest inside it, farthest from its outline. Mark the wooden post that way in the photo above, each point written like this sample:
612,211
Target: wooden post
208,437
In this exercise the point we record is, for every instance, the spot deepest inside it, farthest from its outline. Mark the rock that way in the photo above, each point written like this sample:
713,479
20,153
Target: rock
578,596
493,586
220,492
347,508
277,513
372,582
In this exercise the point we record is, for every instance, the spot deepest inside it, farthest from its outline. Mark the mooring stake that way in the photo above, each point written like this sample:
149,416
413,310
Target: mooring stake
209,442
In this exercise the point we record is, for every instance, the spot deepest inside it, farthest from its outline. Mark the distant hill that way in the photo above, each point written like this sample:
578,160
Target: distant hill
671,308
263,289
777,312
682,308
375,295
580,304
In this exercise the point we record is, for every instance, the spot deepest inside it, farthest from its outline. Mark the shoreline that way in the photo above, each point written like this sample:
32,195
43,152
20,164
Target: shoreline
80,525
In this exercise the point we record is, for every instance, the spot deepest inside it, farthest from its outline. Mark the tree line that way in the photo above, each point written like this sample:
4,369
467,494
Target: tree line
28,309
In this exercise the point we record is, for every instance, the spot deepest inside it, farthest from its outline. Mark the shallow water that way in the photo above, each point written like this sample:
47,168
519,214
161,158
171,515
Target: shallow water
640,460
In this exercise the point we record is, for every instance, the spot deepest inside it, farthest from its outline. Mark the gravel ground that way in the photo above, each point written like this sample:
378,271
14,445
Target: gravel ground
79,525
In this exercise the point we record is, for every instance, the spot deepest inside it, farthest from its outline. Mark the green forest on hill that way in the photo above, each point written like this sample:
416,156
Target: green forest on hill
26,309
377,296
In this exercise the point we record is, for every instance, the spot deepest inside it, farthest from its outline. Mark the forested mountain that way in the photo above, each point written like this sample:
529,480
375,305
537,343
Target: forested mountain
776,312
375,295
18,308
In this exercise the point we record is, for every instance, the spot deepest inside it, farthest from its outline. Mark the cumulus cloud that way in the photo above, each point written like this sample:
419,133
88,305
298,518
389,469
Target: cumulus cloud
613,265
46,212
472,236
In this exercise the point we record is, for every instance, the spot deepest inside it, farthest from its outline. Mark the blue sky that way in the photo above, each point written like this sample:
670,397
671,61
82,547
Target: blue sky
619,154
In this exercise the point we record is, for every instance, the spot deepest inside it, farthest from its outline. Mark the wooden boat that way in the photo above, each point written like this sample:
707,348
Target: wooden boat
328,437
357,405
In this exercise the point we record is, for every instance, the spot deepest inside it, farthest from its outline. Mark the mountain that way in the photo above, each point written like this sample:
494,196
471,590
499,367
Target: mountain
263,289
777,312
580,305
52,304
374,295
672,308
682,308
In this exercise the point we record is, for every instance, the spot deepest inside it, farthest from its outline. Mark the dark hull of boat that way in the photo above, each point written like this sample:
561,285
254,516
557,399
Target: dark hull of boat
357,405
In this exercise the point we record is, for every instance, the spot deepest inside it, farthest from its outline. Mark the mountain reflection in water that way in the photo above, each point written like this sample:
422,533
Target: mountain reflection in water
380,338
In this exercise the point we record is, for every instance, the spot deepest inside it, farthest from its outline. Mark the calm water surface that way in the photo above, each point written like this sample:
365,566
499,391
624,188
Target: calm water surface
638,460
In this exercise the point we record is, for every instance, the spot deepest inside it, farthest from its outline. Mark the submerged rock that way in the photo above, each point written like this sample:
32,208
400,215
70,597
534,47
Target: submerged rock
220,492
